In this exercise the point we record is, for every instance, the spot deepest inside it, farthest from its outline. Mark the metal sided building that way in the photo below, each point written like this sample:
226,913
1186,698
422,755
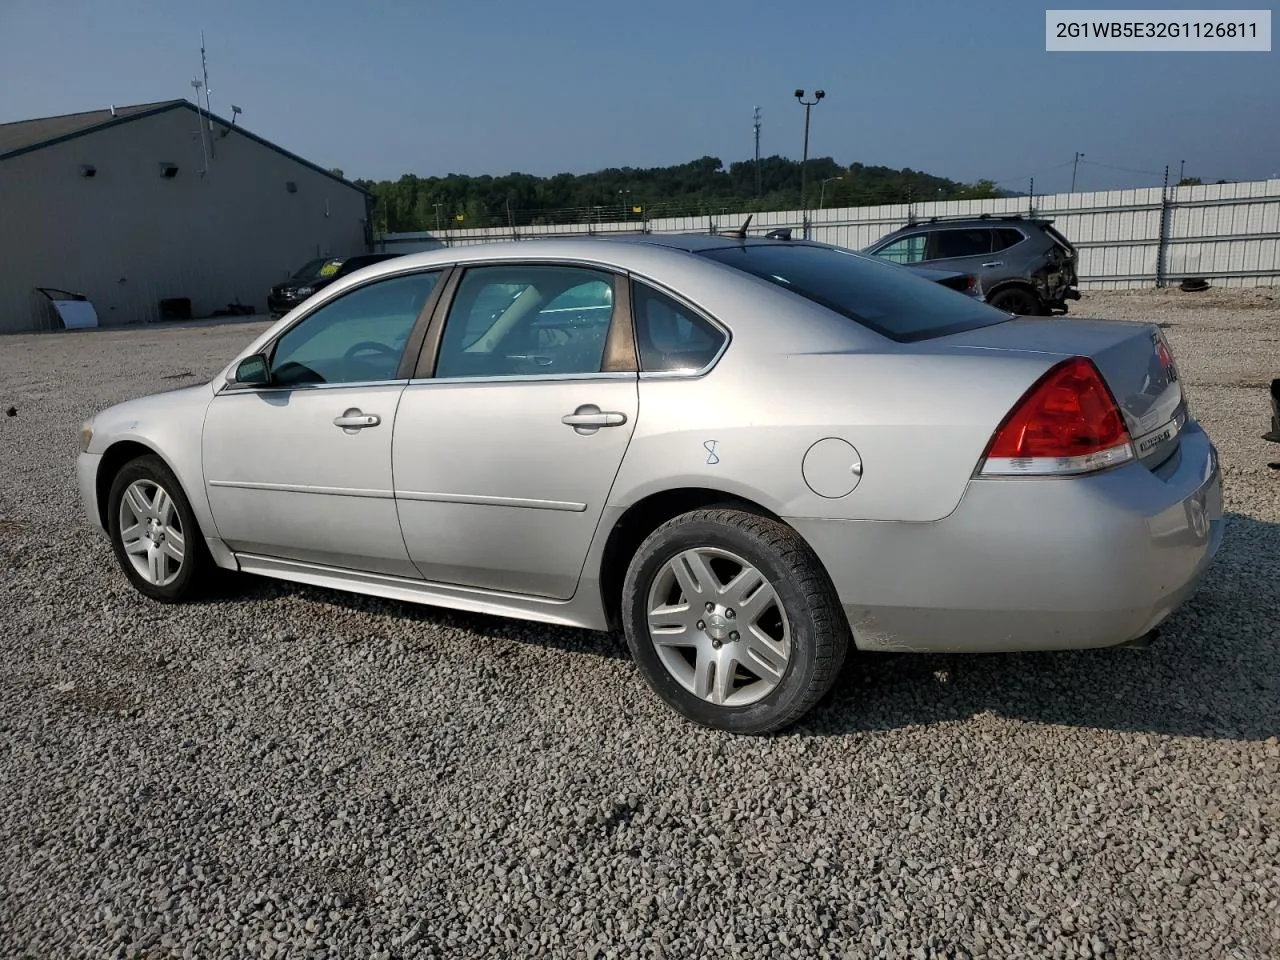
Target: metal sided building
129,206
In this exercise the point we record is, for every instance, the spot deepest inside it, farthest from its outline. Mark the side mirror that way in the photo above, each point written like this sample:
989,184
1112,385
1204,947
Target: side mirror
253,371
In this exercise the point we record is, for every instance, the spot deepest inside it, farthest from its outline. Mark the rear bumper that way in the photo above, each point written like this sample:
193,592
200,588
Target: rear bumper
1032,564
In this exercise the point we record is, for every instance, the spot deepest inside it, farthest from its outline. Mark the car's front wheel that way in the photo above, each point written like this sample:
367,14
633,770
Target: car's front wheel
732,620
154,533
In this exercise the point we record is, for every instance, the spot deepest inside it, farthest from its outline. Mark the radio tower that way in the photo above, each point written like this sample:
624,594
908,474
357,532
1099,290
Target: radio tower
204,70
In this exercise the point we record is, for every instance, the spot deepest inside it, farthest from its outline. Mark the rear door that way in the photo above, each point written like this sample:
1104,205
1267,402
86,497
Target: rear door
507,444
966,249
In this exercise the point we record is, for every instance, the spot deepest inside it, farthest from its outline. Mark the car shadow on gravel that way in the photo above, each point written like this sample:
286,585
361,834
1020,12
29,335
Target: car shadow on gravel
1214,671
480,626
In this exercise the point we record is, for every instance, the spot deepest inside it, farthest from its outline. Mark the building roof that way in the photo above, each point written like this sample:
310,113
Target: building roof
25,136
31,134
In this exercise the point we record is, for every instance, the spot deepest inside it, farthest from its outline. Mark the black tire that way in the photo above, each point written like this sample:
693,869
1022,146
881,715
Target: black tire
1017,300
196,570
819,630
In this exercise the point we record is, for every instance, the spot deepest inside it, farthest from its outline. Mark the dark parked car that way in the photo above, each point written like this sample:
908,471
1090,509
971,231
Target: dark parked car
959,280
316,275
966,283
1024,266
1274,433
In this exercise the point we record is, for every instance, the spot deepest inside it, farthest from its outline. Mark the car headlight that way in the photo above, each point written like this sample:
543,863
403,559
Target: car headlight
305,291
86,436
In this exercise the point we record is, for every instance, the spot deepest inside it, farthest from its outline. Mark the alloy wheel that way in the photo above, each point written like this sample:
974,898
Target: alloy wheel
718,627
151,532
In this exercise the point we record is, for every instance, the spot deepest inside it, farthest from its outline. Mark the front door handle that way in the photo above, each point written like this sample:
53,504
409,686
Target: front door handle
353,420
994,263
589,418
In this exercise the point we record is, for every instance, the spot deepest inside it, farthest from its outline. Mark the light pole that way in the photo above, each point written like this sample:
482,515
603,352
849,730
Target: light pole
1074,164
804,162
822,194
756,124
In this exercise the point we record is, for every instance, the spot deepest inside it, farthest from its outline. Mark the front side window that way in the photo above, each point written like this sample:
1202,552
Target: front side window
908,249
527,320
878,295
357,338
671,337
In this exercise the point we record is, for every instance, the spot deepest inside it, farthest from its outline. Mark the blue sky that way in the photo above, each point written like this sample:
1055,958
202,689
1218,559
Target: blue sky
384,87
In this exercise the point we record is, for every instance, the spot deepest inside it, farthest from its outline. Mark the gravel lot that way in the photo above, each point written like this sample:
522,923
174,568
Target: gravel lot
286,771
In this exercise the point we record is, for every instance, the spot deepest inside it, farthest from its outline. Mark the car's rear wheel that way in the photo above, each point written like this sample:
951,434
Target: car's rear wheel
732,620
154,533
1017,300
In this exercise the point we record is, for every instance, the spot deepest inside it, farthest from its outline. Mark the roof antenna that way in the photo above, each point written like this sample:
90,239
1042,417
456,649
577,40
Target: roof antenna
204,70
741,232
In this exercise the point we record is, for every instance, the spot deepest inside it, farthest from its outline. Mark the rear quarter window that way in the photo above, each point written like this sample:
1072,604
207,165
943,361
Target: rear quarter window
884,297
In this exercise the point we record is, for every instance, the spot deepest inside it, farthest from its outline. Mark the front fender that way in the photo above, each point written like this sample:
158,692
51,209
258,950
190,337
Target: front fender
170,425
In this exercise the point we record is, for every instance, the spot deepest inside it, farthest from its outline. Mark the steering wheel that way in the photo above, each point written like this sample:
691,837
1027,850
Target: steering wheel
373,345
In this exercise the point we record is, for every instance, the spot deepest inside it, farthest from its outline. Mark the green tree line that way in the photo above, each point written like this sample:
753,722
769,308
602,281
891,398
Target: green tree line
701,187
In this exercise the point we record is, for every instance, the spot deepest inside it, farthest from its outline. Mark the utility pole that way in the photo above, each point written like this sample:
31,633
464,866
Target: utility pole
1074,165
756,124
197,83
1182,171
804,162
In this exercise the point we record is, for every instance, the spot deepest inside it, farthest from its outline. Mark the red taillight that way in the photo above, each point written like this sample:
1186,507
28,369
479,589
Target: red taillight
1067,423
1165,356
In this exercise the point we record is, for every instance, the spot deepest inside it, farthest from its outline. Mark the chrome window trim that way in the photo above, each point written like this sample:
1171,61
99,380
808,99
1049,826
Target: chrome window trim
276,388
526,378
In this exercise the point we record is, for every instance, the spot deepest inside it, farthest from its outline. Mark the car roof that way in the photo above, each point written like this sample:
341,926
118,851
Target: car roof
969,223
698,242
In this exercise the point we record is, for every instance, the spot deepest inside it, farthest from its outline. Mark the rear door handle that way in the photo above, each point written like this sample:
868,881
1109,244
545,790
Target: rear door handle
994,263
589,418
594,419
355,420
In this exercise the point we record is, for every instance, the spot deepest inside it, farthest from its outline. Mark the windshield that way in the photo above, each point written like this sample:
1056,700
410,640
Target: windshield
885,297
315,268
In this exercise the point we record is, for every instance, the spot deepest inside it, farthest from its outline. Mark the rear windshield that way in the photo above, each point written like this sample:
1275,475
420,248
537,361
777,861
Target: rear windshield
886,297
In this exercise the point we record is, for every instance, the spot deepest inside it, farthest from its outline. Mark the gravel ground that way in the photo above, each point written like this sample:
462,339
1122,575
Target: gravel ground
287,771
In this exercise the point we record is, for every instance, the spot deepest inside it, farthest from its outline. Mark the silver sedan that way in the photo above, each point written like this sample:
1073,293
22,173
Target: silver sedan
748,455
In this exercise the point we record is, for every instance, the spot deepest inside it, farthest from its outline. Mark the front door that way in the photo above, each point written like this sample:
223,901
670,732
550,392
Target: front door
504,458
300,468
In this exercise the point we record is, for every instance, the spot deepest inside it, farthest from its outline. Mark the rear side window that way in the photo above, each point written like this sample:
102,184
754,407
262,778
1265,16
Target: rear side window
947,244
1006,238
671,337
881,296
527,320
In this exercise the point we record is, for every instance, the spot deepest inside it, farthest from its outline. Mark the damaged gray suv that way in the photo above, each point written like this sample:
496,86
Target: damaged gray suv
1024,266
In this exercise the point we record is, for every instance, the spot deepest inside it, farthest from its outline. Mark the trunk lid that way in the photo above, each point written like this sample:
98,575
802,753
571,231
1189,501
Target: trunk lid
1133,358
